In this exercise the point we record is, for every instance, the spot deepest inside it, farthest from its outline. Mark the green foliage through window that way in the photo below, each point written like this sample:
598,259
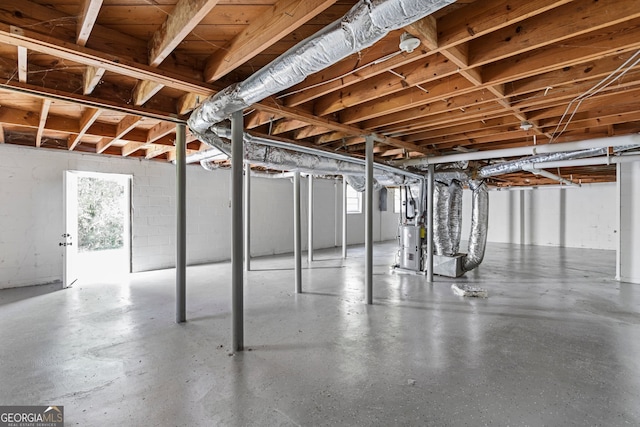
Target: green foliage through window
101,216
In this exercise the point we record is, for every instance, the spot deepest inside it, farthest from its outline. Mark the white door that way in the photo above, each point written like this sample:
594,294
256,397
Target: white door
70,235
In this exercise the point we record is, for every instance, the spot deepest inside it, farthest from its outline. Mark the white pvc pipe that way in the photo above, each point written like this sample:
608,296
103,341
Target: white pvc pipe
592,161
526,151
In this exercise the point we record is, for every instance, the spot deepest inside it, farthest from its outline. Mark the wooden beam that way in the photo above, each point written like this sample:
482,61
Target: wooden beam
579,17
480,18
1,134
38,42
88,117
157,150
283,18
160,130
44,112
124,126
91,76
87,19
179,23
287,125
438,91
144,90
22,64
417,73
188,102
426,30
131,147
269,105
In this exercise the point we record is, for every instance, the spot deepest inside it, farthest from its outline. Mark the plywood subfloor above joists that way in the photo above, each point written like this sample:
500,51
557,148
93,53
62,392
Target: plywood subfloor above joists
113,78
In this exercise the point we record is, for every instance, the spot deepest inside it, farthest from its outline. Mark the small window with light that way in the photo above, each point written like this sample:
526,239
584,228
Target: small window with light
354,201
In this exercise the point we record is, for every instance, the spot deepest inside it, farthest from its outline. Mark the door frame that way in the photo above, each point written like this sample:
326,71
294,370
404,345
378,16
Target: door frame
70,182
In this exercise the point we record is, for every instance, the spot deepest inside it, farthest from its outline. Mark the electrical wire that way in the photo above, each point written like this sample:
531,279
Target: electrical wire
597,88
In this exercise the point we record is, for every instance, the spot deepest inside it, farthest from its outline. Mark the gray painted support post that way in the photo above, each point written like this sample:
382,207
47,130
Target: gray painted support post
181,220
297,232
237,274
247,217
429,224
310,222
368,222
344,217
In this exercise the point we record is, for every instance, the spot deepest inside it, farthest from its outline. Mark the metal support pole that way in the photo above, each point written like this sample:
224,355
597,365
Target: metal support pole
247,217
429,224
181,220
344,217
237,274
368,222
297,232
310,222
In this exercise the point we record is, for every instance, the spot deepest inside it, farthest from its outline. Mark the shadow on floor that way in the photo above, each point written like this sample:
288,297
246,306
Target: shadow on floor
11,295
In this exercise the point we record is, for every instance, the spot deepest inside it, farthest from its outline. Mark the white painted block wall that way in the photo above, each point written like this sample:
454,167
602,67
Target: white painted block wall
630,222
31,213
582,217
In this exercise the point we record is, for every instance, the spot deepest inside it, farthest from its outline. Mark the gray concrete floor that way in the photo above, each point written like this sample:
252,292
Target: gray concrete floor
556,343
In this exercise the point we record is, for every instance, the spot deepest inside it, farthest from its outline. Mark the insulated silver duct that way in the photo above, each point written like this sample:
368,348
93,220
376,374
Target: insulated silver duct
366,23
518,165
441,235
479,225
359,183
455,216
272,154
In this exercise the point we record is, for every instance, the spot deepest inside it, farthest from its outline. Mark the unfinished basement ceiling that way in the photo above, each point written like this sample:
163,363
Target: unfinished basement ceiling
113,76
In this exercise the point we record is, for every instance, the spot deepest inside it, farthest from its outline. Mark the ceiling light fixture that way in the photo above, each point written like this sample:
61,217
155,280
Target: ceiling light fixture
525,125
409,42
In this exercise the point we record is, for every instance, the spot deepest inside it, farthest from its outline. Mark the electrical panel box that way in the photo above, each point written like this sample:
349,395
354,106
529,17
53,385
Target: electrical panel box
411,247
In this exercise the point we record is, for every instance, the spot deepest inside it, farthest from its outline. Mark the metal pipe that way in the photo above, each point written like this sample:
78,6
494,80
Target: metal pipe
297,233
523,163
525,151
549,175
368,222
247,217
344,218
237,279
594,161
430,223
181,220
310,222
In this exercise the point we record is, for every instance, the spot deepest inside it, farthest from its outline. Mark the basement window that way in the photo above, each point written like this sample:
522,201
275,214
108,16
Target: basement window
354,201
397,199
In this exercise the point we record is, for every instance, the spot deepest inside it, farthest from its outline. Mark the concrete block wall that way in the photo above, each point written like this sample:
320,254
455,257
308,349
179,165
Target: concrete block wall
582,217
31,213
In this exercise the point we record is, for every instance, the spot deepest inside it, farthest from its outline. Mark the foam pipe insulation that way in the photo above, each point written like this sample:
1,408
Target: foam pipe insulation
365,24
479,225
518,165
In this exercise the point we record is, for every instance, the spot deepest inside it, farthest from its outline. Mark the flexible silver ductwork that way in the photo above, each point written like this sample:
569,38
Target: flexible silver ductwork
365,24
441,204
455,215
447,218
518,165
479,225
280,155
